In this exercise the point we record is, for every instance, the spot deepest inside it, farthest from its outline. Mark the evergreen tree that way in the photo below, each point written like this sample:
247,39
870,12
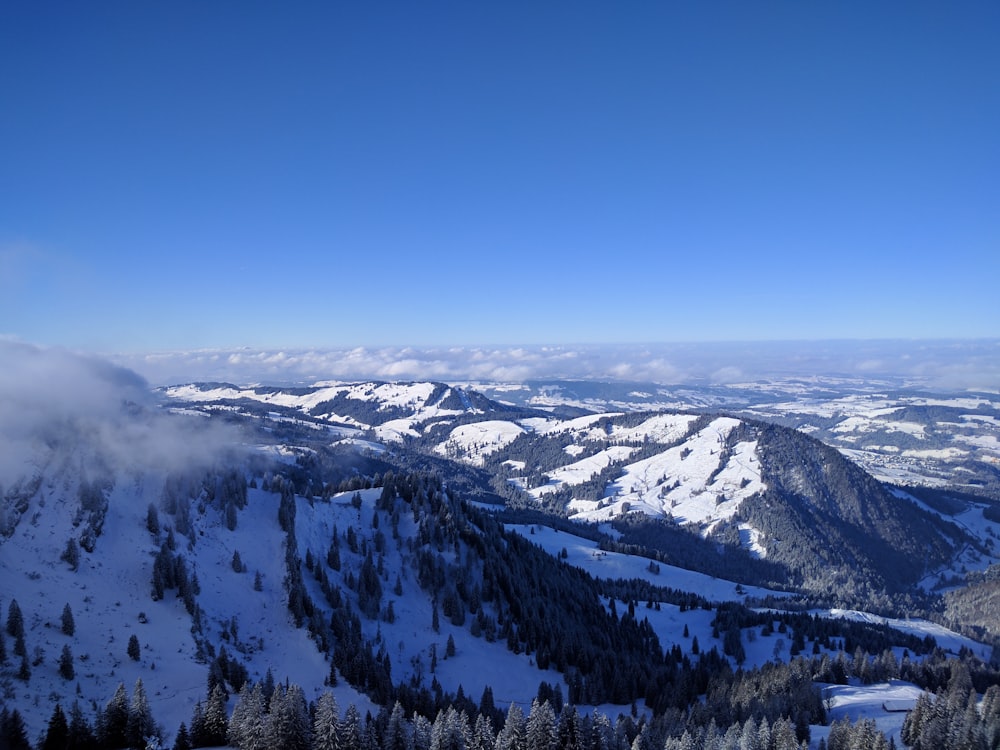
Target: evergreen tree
513,735
24,671
451,730
422,730
66,670
3,648
602,734
133,648
326,724
68,624
351,729
13,733
570,732
231,517
483,735
57,733
246,725
71,554
216,721
396,736
15,620
140,724
114,719
81,734
152,520
182,741
541,727
198,735
288,720
333,554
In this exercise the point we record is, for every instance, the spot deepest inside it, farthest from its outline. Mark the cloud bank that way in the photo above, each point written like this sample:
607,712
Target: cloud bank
946,364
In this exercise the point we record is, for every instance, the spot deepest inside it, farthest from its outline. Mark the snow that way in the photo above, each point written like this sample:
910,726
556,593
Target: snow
751,539
473,442
946,454
857,702
689,482
409,640
663,428
582,470
105,615
587,555
948,640
414,396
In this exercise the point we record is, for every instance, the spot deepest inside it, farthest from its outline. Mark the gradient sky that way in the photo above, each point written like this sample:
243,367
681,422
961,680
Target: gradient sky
217,174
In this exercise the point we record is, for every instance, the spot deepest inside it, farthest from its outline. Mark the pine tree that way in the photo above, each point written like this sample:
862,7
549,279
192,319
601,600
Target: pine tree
140,724
422,730
57,733
24,671
198,735
513,735
66,670
13,731
3,648
216,717
288,721
71,554
396,736
333,554
15,620
541,727
451,730
68,624
152,520
133,649
569,732
246,725
114,719
602,734
483,736
351,728
326,724
182,741
81,734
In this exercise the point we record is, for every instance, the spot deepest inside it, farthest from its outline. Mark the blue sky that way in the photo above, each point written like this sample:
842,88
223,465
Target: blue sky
192,175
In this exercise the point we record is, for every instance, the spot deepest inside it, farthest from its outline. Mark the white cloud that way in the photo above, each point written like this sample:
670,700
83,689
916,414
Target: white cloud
945,364
53,400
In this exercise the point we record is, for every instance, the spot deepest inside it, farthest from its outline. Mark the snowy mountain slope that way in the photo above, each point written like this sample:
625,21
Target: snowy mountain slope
698,482
423,553
709,473
901,430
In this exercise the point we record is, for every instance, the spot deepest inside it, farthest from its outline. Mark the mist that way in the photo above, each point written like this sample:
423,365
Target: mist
58,403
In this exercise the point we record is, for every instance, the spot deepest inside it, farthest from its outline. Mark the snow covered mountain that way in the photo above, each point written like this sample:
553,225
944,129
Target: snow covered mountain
345,538
760,489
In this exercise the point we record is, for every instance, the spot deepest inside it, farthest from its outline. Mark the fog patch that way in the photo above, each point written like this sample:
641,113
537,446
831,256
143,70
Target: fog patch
55,402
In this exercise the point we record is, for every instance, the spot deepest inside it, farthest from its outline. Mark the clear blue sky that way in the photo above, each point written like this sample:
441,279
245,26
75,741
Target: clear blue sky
200,174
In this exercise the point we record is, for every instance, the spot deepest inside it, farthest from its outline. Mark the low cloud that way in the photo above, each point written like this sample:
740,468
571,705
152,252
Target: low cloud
945,364
54,402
